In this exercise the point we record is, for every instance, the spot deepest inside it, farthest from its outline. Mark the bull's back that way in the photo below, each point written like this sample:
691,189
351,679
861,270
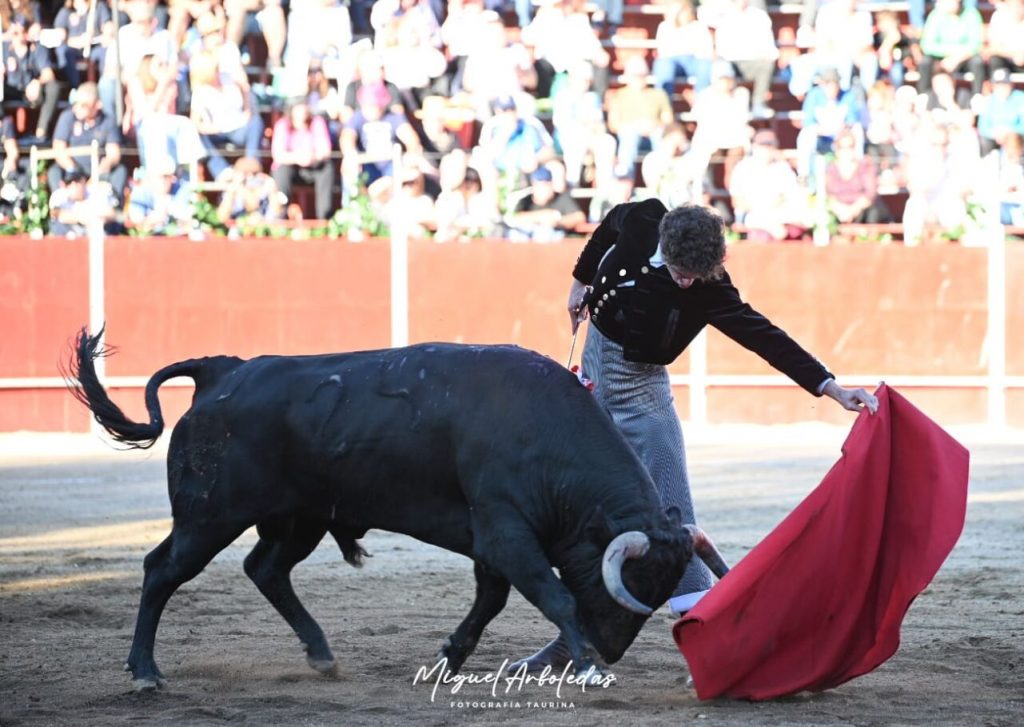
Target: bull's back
401,439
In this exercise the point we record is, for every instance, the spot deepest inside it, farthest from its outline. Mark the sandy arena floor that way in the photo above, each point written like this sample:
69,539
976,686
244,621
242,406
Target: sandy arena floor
77,519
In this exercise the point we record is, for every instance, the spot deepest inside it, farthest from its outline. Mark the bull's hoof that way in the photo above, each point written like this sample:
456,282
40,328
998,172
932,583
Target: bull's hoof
323,660
148,684
451,657
327,667
554,656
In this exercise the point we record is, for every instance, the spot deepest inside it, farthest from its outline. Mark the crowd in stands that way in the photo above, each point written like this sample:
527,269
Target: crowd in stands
514,118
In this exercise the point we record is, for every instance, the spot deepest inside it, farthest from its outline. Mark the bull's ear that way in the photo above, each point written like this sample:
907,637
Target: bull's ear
675,517
599,528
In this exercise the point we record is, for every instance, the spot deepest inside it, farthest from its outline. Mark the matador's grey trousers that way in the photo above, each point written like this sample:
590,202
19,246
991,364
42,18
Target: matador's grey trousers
639,399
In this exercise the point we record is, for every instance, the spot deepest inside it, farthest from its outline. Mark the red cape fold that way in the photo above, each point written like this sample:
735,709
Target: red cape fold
820,600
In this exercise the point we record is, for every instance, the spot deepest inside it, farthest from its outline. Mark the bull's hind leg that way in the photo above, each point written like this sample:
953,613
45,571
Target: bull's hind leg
491,595
178,559
269,565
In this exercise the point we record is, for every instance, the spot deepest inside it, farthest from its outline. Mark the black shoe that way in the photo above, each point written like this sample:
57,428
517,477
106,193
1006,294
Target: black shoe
555,655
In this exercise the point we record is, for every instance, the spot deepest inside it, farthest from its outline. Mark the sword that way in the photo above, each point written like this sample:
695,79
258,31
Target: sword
572,348
576,333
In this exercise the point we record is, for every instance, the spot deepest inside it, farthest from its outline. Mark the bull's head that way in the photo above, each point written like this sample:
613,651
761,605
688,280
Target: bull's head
621,586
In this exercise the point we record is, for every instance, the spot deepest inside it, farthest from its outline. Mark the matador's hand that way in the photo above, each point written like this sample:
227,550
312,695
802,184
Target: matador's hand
577,311
852,399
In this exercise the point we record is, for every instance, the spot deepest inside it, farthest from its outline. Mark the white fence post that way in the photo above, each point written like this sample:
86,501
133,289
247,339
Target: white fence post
995,246
399,232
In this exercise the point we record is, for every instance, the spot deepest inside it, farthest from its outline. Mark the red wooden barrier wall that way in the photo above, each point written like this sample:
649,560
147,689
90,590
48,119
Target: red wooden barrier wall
864,310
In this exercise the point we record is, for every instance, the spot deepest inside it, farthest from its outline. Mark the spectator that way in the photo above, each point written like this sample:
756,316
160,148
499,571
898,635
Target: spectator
214,41
464,208
76,203
28,76
9,139
415,66
78,39
827,109
13,182
944,95
893,47
410,200
319,32
27,12
464,31
937,185
1005,31
952,40
637,114
1002,113
251,195
183,14
544,214
561,35
222,113
907,114
675,172
880,134
387,15
445,125
684,48
160,133
513,142
523,8
370,72
766,196
615,191
722,111
1011,181
161,204
324,99
744,37
266,17
496,68
851,184
140,37
301,151
609,15
80,125
578,120
844,38
369,137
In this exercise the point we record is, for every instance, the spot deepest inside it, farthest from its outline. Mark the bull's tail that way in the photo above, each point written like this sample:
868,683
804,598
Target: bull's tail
86,387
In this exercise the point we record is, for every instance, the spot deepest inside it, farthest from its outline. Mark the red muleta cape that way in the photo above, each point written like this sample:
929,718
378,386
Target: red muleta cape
820,600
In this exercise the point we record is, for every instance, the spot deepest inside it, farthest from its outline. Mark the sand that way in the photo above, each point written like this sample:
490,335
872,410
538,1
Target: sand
76,520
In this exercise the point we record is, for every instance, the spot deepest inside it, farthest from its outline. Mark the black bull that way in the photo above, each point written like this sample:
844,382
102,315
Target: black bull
493,452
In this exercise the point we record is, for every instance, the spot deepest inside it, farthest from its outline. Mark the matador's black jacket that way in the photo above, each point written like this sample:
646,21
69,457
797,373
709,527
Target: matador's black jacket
637,305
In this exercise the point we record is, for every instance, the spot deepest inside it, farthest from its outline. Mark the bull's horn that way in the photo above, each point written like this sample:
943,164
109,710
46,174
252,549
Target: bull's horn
631,544
707,551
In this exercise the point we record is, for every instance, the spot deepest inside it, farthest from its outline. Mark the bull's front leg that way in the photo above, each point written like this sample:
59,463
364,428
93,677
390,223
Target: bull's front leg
519,557
491,595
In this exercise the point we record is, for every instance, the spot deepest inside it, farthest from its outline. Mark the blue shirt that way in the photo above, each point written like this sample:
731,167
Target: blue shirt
816,102
1000,113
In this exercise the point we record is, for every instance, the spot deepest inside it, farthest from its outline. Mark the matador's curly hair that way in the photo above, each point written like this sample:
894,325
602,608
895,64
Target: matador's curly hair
693,239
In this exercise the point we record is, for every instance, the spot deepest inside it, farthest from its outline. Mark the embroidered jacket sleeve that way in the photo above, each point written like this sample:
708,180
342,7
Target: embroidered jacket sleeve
727,312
